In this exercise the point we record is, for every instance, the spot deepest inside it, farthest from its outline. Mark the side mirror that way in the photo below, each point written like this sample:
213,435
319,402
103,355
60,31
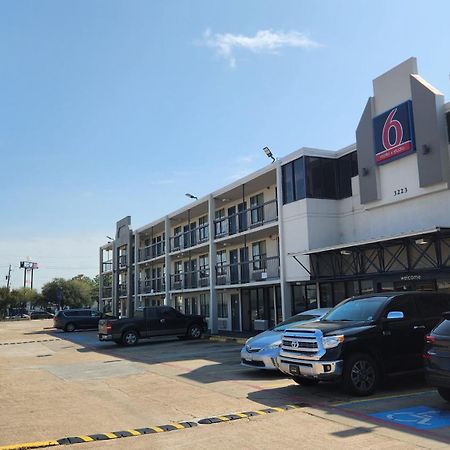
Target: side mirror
395,315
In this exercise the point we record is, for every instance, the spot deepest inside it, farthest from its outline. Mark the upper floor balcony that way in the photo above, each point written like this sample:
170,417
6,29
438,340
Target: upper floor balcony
189,237
123,261
107,292
152,286
194,279
122,290
152,251
256,270
107,266
242,220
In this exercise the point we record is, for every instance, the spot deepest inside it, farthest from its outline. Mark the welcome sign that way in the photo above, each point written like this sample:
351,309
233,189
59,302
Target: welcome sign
394,133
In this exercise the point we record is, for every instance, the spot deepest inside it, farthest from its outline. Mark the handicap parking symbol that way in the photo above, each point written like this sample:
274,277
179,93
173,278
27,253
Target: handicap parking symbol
419,417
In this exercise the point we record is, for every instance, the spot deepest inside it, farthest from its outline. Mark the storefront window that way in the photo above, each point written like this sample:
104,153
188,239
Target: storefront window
339,292
326,295
366,287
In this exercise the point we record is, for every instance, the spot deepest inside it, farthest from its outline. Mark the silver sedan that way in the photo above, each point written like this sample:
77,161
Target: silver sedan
261,350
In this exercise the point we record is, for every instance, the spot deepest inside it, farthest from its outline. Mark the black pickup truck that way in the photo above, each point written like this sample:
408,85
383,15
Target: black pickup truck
362,339
150,322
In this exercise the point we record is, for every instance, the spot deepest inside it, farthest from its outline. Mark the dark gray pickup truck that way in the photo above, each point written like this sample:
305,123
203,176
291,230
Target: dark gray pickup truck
151,322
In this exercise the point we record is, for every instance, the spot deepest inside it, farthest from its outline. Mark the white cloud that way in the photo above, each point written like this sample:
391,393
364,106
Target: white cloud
264,41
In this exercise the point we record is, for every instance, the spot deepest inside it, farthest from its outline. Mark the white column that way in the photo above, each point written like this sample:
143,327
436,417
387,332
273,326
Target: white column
213,320
100,282
285,294
167,299
137,244
115,280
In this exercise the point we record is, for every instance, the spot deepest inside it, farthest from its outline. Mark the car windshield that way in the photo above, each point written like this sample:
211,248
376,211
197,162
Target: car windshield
294,319
356,310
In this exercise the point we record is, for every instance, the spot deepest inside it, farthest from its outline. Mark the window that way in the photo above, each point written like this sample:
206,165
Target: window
177,238
405,304
288,183
222,307
203,263
259,255
257,208
179,303
316,177
221,262
220,222
203,234
299,178
204,305
432,305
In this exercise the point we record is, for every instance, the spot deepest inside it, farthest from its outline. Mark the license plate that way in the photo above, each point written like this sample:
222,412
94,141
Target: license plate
294,370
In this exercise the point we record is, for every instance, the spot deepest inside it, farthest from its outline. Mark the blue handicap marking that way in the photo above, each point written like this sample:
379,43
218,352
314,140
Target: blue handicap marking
419,417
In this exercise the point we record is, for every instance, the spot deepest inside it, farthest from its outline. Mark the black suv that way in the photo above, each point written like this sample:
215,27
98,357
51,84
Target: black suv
73,319
362,339
437,357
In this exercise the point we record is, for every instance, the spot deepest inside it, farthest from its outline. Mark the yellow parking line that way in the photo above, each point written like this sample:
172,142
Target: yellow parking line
30,445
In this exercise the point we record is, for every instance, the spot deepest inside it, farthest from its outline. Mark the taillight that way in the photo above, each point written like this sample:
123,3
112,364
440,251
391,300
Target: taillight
108,326
430,339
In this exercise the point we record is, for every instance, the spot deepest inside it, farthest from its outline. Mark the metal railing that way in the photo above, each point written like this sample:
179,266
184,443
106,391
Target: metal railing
123,261
107,292
189,238
190,280
261,269
122,290
247,219
152,286
152,251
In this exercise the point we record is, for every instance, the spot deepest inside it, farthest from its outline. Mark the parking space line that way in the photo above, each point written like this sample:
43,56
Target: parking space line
382,397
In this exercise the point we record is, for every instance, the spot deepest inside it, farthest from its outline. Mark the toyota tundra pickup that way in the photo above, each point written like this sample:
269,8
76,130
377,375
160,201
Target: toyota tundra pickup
150,322
362,339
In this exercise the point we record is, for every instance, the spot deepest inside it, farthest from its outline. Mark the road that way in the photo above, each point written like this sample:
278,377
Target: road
55,385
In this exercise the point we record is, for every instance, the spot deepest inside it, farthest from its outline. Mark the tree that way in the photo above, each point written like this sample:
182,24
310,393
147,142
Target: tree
5,301
73,293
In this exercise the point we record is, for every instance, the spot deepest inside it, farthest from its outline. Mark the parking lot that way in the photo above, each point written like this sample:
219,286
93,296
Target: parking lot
56,385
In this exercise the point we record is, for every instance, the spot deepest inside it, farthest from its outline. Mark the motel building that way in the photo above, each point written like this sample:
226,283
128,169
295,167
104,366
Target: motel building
306,231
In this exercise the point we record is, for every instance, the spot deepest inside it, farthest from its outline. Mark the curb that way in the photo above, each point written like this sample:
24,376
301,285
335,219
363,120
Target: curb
227,339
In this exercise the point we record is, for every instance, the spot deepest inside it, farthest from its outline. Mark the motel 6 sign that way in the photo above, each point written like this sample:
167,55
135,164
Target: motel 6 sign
394,133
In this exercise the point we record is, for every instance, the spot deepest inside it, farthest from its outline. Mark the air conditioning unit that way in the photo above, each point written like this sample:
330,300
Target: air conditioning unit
259,276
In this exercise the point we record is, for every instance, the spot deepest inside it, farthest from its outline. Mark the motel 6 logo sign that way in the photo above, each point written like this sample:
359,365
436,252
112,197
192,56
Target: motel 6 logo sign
394,133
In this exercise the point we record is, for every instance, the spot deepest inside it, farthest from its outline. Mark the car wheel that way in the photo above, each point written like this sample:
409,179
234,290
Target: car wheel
444,393
130,338
361,374
303,381
194,332
70,327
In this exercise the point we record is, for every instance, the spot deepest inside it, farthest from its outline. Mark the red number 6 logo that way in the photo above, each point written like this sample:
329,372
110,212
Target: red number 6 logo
391,122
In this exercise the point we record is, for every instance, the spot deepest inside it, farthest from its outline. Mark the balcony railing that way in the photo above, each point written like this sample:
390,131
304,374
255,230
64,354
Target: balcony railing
152,286
122,290
107,266
247,219
189,238
263,269
152,251
122,261
190,280
107,292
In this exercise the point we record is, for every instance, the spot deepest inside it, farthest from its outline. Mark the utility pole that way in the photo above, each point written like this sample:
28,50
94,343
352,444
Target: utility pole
8,278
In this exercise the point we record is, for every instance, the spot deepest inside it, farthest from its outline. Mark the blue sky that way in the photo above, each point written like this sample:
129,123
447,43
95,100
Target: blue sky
114,108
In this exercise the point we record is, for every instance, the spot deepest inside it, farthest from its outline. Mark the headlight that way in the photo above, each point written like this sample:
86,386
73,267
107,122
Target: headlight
275,345
332,341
